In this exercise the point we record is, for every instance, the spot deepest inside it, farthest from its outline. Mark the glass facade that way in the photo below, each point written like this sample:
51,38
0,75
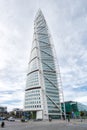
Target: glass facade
74,109
42,90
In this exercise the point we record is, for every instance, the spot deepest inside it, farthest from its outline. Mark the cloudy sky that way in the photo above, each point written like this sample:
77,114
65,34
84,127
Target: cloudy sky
67,21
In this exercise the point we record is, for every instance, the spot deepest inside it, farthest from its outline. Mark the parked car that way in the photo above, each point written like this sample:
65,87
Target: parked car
24,120
11,119
3,118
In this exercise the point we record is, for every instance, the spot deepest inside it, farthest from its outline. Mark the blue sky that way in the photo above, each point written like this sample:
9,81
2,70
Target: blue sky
67,21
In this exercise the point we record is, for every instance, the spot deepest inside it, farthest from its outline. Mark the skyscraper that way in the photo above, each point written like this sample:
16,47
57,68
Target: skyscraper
42,95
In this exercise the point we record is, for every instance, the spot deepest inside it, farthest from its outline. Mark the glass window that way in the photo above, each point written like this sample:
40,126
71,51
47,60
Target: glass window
33,65
32,79
33,53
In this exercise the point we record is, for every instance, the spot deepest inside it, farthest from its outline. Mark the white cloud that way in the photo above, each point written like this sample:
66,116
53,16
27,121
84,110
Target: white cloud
75,94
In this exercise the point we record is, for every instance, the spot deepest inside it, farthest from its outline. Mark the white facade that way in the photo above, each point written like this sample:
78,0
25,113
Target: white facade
42,90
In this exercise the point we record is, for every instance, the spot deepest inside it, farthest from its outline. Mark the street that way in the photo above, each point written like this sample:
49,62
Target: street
46,125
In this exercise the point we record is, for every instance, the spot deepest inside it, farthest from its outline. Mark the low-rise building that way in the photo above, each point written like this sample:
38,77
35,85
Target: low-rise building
17,112
3,111
75,109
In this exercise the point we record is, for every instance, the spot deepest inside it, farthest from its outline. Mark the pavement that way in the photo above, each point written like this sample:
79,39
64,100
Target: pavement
46,125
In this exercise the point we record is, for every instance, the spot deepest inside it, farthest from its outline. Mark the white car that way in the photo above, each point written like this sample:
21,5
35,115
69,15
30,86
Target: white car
11,119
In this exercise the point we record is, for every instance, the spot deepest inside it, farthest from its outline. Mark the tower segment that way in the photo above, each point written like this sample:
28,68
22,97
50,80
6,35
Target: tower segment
42,95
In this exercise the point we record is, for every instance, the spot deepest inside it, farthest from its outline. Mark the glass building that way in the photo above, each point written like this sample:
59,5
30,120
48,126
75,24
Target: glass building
42,95
74,109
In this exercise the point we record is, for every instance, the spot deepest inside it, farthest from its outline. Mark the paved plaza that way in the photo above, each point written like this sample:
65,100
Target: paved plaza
46,125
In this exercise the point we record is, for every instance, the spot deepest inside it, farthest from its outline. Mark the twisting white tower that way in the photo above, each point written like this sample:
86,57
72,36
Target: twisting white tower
42,95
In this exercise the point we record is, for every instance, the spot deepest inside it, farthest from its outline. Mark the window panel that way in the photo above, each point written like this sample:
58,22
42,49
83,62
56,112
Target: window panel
32,80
